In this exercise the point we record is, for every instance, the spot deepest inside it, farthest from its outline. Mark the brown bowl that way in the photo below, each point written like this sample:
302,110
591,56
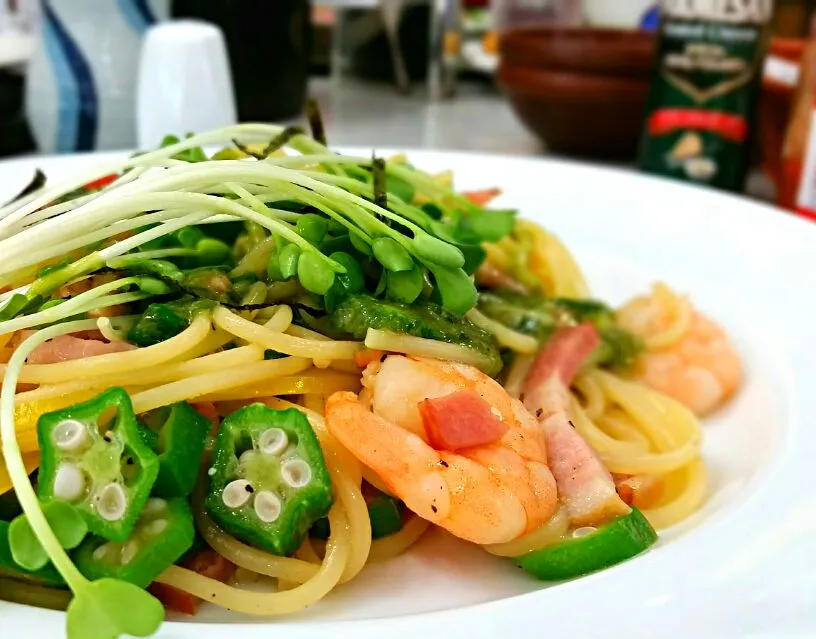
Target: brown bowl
600,51
579,114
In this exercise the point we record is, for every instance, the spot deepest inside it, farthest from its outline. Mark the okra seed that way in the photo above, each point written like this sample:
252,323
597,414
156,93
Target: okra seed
69,484
267,506
153,507
246,457
70,435
112,502
236,494
273,441
156,527
296,472
129,552
100,553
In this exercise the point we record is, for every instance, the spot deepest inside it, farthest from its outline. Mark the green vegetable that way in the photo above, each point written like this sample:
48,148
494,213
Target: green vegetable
288,261
163,269
163,533
402,189
107,474
51,268
179,437
384,514
454,289
10,568
312,228
68,526
539,318
392,255
194,154
106,608
208,283
161,321
612,543
352,280
357,313
269,481
19,304
314,275
404,286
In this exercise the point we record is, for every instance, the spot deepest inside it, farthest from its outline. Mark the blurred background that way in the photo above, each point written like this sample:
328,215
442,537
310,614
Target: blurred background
565,78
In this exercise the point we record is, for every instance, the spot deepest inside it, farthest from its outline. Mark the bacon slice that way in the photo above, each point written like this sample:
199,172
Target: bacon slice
585,486
460,420
65,348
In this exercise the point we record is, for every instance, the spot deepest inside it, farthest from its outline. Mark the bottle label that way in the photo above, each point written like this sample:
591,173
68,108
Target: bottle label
701,103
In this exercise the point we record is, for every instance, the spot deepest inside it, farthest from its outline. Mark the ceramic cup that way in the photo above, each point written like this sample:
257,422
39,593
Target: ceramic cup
184,85
620,14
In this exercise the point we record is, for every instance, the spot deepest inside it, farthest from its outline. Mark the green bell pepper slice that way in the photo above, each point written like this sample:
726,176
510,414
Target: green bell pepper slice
384,513
588,551
105,473
178,435
163,534
268,482
47,576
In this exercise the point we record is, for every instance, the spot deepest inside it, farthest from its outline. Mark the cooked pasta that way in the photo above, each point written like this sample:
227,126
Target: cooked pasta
313,366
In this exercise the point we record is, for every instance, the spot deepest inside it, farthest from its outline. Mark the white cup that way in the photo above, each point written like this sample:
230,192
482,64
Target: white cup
619,14
185,85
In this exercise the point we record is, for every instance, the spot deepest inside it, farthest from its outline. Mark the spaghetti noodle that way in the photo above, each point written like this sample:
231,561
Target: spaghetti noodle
263,319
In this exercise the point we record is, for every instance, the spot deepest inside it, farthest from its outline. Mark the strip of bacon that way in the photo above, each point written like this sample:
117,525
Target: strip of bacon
66,348
585,486
460,420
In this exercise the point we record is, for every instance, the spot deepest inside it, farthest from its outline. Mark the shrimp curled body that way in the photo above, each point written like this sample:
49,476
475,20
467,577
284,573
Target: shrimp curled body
485,494
688,356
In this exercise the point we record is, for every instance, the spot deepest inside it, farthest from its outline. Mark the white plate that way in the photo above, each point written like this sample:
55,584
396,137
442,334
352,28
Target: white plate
743,565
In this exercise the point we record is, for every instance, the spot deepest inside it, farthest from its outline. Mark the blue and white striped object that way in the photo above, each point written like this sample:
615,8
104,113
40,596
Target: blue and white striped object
80,94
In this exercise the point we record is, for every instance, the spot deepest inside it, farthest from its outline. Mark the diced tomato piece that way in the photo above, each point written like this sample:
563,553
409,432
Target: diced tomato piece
483,197
210,564
207,563
101,182
563,354
365,356
174,599
209,410
460,420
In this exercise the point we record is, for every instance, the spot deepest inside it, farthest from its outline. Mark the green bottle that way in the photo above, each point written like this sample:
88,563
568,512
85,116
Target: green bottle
708,72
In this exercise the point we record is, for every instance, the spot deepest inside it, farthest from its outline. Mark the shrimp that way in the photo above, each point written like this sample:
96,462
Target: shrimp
688,356
492,493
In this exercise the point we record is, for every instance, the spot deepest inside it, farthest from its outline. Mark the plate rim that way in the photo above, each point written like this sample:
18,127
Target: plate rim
779,472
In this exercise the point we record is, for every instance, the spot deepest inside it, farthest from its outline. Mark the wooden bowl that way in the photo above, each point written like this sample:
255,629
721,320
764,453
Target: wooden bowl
615,52
582,114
